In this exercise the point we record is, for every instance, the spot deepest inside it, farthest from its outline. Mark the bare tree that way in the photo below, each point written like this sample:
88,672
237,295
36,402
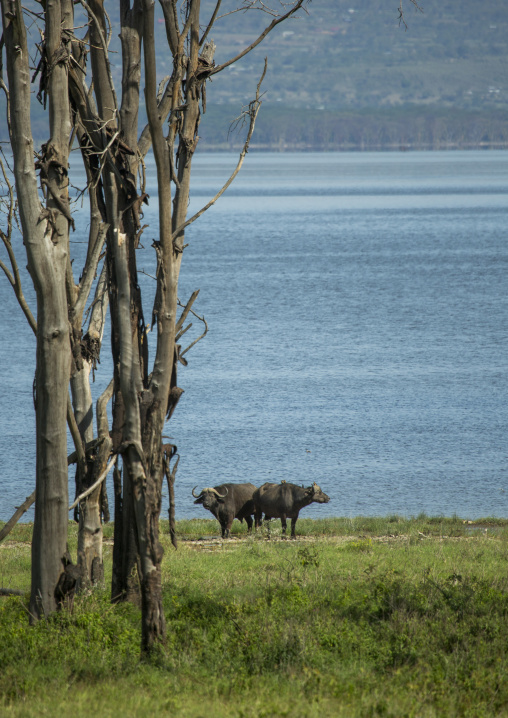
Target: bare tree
148,400
76,83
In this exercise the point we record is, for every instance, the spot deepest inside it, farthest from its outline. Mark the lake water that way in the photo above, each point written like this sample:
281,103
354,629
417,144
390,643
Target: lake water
358,335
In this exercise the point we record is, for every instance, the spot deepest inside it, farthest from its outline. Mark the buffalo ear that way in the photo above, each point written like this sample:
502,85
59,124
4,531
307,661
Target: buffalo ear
199,501
309,490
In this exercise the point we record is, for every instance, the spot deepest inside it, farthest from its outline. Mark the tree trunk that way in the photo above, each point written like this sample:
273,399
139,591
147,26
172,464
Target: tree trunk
90,559
85,354
49,541
45,235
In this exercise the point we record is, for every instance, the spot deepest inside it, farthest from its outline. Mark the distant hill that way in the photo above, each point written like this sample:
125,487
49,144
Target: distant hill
349,54
348,75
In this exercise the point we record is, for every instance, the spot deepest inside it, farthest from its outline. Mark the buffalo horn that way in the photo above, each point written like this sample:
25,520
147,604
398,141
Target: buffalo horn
219,495
196,496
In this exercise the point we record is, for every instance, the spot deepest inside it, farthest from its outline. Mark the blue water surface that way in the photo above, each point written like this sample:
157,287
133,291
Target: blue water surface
358,334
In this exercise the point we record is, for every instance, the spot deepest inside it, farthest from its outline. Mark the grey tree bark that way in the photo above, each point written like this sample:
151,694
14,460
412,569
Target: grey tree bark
46,237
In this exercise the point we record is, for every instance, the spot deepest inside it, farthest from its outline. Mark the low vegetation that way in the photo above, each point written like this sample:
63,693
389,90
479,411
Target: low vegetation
357,617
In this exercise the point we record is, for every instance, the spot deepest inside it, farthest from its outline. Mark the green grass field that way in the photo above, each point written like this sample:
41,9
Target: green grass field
356,617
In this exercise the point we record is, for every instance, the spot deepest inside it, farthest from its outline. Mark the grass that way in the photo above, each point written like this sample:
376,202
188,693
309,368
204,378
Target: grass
357,617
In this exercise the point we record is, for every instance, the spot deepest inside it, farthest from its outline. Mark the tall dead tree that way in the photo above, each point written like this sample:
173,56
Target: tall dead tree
76,81
145,401
173,148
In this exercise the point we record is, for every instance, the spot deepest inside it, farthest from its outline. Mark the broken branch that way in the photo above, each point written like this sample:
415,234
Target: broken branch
96,484
17,515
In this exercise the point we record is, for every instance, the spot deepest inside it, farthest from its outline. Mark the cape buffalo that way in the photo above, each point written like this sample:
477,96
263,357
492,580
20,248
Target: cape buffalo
283,501
228,502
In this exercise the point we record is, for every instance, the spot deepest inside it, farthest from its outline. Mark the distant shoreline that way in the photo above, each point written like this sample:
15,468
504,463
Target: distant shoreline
307,149
278,149
370,129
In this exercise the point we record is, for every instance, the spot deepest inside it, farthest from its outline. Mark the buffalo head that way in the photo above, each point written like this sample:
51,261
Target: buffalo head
316,494
209,497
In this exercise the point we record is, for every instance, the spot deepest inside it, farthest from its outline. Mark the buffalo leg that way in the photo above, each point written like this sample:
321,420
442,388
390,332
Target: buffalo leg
228,525
248,520
293,525
284,525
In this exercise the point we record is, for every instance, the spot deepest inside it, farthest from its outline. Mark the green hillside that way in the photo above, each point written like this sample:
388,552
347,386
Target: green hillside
349,75
354,54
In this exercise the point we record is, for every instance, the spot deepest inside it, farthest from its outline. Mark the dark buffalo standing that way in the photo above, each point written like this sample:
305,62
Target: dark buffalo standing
228,502
285,501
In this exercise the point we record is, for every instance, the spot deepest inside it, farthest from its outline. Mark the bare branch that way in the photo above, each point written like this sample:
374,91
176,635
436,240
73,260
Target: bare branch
401,12
210,24
27,503
251,112
163,108
102,418
186,28
76,436
170,450
95,485
5,89
14,277
182,332
202,319
20,510
104,47
110,27
186,311
90,269
276,21
171,22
